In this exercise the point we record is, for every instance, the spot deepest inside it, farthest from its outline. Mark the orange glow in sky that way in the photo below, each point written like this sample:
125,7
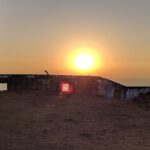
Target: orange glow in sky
101,38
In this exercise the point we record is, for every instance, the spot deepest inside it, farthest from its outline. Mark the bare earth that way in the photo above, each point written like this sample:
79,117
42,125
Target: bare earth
38,121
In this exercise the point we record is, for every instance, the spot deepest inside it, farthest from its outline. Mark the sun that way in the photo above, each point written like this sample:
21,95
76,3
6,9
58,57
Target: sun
84,61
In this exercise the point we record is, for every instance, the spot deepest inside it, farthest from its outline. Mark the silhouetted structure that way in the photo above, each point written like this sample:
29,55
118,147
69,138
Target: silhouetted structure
90,85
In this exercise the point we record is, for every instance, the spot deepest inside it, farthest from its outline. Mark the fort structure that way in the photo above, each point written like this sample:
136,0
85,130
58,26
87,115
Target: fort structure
90,85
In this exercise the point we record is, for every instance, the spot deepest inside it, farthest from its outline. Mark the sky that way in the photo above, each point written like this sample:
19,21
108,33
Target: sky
38,35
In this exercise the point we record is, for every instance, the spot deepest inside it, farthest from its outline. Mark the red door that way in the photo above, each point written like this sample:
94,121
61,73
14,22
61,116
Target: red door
66,87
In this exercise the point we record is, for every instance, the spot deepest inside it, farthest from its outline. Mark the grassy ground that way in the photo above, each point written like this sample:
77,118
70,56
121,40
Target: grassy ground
38,121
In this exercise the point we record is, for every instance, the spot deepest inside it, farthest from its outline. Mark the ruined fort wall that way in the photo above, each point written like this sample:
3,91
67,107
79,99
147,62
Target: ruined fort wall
89,85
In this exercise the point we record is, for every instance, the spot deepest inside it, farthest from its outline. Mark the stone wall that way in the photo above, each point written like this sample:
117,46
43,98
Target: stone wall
89,85
134,92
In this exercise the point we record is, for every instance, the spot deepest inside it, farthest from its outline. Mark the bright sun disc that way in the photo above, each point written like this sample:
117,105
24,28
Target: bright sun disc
84,61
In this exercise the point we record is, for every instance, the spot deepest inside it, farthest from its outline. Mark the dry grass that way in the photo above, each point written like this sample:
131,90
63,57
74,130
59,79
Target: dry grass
38,121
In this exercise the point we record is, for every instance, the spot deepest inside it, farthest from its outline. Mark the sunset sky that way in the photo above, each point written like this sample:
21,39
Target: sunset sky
38,35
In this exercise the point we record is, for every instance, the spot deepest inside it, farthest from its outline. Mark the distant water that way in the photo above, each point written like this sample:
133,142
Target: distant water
3,86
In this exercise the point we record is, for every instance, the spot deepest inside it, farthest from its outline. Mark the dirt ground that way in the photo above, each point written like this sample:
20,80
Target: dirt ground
38,121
